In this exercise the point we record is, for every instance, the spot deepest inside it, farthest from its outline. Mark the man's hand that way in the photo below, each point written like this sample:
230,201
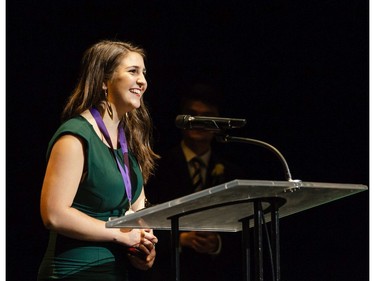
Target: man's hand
201,241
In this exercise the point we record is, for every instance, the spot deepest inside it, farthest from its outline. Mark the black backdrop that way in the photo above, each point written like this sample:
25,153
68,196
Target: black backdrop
296,70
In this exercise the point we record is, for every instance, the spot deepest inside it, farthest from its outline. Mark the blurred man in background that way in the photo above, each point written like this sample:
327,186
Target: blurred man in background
192,165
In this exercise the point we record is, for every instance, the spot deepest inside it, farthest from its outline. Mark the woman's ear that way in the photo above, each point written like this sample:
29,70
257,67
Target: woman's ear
104,87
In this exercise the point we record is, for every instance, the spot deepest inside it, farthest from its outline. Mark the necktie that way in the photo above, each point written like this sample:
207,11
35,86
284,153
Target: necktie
197,178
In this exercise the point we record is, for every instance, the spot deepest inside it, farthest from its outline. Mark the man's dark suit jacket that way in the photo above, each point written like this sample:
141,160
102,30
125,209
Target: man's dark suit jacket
172,180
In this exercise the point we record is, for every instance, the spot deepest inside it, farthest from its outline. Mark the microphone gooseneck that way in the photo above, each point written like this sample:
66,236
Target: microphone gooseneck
273,149
219,125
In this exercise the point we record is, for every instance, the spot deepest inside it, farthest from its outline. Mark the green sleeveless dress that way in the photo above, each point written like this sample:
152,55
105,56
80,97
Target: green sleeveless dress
101,194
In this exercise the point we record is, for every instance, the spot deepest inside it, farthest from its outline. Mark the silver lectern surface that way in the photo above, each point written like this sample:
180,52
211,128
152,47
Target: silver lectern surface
221,207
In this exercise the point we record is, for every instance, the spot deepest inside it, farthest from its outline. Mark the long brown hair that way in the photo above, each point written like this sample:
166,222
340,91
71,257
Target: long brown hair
98,65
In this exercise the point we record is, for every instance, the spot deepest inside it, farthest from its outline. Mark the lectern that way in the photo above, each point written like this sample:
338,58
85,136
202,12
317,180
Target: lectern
235,206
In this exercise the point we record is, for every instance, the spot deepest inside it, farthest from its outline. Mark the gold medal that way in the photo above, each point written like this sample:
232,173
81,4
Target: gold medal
130,211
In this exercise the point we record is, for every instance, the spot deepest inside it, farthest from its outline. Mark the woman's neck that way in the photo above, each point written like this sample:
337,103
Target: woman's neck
112,123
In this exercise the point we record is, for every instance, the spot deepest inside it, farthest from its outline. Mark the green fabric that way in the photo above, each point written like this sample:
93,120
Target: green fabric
101,195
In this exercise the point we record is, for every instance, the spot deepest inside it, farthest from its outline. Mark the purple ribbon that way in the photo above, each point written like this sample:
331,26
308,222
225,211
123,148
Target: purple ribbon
124,148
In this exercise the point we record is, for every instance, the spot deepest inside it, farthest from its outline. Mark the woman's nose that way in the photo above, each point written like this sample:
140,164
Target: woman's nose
141,80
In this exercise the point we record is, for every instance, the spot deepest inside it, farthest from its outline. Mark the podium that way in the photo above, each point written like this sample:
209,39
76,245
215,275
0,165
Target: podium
235,206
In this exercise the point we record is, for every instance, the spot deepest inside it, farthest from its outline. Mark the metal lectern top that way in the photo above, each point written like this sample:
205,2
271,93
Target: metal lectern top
221,207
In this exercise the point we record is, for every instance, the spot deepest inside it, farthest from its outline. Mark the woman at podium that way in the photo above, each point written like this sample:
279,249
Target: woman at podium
98,161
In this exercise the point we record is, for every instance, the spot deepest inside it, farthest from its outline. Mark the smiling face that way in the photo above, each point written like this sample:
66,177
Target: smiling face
128,84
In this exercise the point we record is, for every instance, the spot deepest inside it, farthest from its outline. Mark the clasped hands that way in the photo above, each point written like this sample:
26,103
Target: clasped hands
203,242
142,253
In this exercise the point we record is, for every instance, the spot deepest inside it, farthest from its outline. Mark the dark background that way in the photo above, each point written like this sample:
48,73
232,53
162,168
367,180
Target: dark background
296,70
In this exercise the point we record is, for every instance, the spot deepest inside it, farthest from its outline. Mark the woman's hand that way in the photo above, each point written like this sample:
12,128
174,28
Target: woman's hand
137,237
147,248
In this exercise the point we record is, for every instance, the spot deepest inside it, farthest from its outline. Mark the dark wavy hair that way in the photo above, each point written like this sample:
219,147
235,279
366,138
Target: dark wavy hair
98,65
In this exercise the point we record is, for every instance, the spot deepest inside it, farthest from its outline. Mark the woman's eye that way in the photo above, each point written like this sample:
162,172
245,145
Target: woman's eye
137,71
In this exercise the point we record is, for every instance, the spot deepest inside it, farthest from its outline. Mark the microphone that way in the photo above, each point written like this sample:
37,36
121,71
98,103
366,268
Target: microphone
189,122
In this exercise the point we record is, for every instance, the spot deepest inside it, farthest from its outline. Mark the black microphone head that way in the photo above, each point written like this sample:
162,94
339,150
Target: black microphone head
182,121
212,123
